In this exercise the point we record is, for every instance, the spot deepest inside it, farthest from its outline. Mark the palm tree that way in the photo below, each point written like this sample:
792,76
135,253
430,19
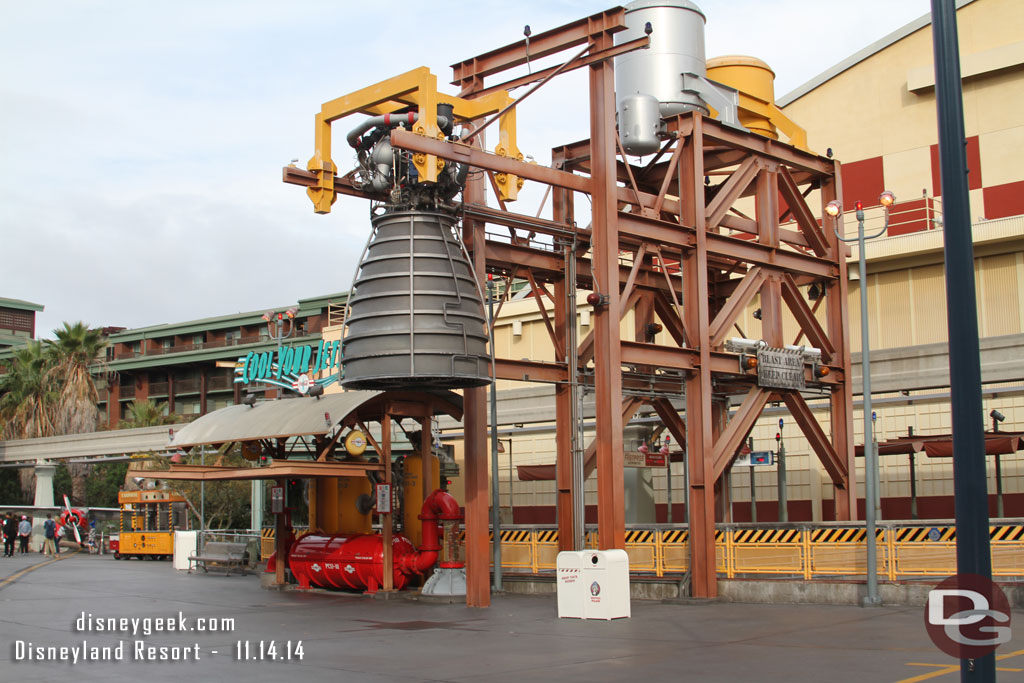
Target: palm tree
27,396
72,354
146,413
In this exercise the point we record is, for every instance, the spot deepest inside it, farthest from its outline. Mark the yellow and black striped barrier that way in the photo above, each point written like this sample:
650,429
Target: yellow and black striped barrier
812,551
1007,533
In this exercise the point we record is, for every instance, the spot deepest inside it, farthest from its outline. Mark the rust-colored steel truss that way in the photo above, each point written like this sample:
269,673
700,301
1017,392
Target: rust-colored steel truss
671,246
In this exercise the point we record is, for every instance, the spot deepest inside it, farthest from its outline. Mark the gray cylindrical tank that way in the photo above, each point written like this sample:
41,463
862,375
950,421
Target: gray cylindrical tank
677,47
416,318
639,121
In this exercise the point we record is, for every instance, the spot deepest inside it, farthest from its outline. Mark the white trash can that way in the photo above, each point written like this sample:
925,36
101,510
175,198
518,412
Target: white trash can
593,584
185,543
571,594
606,582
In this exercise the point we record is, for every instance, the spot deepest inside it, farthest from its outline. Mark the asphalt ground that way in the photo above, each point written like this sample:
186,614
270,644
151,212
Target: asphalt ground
350,638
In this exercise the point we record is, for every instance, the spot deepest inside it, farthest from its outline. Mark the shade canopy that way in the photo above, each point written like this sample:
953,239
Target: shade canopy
941,445
271,419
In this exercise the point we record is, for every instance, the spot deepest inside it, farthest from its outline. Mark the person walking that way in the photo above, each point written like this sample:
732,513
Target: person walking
10,530
57,536
49,535
24,531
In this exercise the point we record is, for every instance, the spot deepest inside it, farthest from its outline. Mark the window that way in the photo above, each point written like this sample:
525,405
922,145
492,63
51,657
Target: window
13,319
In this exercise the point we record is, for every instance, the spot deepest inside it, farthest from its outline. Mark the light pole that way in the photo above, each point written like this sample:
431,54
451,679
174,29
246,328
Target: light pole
276,322
783,498
495,492
834,208
998,417
501,449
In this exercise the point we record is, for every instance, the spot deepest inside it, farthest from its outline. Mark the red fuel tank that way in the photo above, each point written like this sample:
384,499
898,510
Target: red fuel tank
353,562
357,561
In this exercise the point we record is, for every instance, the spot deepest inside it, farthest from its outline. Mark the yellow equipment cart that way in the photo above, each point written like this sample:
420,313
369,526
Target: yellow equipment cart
148,521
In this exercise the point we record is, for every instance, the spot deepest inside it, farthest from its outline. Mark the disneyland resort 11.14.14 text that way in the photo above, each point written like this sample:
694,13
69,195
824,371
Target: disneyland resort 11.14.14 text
139,650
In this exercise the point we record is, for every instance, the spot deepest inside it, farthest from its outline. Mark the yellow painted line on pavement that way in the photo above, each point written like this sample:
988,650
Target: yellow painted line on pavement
17,575
946,669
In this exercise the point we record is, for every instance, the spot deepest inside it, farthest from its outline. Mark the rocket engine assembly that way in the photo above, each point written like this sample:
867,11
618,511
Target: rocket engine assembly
357,561
415,313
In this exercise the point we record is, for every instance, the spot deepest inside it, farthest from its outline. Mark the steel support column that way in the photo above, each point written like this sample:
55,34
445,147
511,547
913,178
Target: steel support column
611,509
478,574
841,396
699,433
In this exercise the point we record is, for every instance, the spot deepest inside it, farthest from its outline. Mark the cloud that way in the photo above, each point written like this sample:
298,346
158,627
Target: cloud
141,143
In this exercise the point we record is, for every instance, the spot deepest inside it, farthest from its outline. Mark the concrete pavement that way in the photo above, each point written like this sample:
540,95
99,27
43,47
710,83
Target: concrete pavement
350,638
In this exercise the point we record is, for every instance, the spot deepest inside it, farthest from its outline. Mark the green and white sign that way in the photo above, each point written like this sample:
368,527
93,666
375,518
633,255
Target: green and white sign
291,367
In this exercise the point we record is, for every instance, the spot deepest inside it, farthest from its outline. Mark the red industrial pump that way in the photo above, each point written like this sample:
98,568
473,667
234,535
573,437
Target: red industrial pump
357,561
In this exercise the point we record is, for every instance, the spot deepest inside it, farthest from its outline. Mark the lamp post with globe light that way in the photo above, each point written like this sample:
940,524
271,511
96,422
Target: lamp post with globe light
834,209
276,323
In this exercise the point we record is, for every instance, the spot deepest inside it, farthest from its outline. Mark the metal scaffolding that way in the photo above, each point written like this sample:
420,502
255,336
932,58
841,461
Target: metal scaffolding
666,244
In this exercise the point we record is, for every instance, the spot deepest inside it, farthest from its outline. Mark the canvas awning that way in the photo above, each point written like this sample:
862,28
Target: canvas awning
941,445
998,443
271,419
296,417
279,469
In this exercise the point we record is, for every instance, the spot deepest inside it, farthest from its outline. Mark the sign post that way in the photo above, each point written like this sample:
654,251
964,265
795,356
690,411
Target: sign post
277,500
383,499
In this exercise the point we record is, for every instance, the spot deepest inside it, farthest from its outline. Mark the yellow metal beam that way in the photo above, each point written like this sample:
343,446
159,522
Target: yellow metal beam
415,88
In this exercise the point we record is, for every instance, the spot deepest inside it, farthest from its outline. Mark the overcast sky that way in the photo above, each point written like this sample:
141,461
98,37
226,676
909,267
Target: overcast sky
141,143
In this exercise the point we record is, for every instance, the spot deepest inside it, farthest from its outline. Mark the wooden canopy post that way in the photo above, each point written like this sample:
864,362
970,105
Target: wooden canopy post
385,519
279,544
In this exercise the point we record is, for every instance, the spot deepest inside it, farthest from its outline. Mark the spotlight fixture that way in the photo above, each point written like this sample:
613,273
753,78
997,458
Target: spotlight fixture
887,198
249,400
997,416
757,314
834,208
814,291
317,390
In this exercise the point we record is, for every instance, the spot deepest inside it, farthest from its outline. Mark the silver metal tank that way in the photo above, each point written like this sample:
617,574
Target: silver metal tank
639,124
416,319
677,47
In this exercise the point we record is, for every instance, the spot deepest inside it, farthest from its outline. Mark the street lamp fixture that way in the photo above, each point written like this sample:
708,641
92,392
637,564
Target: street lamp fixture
998,417
834,208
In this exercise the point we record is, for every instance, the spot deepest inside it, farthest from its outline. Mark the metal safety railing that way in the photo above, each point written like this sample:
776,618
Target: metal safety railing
821,550
834,550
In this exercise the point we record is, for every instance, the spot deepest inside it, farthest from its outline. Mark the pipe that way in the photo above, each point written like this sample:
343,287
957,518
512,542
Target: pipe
439,505
389,120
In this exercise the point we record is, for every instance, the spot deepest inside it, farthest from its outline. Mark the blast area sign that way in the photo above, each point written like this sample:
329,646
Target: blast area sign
780,368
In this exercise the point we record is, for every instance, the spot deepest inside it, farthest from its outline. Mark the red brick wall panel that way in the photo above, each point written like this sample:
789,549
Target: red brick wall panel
1004,200
973,167
863,180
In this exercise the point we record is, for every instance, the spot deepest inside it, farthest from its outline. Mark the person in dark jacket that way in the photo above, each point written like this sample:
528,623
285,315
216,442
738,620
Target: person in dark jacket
10,530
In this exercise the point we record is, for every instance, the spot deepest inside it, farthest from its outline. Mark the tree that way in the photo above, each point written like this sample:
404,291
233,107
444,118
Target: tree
63,485
146,413
71,355
103,483
228,503
27,397
11,492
